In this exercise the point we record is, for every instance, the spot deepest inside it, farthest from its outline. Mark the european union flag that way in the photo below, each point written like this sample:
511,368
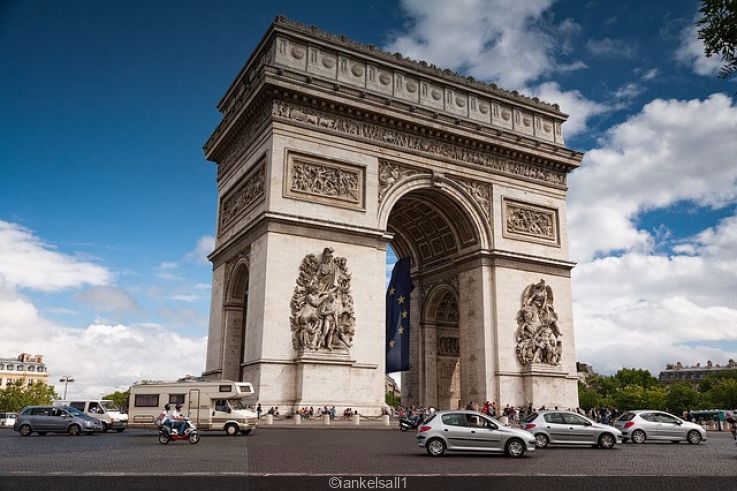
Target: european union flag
397,317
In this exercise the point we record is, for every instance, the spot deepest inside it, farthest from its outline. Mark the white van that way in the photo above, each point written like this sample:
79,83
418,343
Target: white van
109,414
210,405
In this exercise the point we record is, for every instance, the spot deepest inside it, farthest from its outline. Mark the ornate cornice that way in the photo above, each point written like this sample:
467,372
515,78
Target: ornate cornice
430,69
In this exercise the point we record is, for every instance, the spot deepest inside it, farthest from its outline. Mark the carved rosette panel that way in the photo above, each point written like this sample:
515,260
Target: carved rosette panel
480,192
243,197
405,140
322,316
325,181
530,222
390,173
449,346
538,336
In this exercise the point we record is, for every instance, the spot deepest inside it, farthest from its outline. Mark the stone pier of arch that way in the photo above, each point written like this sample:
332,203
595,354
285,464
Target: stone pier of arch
328,153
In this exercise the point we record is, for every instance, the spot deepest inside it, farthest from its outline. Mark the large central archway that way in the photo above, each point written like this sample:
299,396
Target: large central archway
432,222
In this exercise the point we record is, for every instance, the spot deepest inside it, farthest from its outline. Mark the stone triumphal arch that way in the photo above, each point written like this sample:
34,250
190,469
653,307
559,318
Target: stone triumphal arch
328,152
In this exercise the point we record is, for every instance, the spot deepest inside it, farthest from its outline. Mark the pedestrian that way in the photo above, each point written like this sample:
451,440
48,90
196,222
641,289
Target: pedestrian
259,410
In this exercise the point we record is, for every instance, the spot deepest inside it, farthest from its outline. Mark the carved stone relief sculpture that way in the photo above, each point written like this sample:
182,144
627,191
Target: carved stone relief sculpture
479,192
530,222
324,181
538,336
408,141
322,305
390,173
240,199
448,346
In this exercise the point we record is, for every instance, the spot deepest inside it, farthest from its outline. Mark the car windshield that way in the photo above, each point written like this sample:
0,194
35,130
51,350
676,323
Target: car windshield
109,406
238,404
529,418
626,417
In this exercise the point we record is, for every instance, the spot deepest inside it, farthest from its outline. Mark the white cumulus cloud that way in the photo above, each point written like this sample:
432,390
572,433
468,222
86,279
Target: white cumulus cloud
671,151
691,53
28,262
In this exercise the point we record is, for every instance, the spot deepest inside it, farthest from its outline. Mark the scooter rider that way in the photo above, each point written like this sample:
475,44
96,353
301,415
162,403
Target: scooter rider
178,419
165,417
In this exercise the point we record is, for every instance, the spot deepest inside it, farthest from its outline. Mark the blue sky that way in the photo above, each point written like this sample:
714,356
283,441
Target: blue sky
107,206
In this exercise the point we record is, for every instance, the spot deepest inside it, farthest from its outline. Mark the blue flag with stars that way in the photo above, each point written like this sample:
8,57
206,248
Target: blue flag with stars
397,317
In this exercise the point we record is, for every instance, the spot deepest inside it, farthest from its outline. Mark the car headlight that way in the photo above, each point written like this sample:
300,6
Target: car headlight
88,423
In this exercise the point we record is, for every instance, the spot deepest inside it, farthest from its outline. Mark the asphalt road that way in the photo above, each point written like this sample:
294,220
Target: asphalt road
342,452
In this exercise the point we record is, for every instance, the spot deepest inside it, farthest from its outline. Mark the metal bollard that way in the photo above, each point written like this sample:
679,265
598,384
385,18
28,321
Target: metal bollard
297,419
269,420
326,419
385,420
356,419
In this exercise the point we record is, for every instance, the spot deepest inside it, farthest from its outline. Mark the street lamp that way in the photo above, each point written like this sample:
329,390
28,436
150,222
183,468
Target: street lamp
66,379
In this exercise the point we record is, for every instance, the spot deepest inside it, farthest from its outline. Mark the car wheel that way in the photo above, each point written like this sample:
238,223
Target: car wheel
694,437
41,433
104,427
515,448
194,438
541,440
231,430
435,447
638,436
163,438
246,432
25,430
74,430
607,441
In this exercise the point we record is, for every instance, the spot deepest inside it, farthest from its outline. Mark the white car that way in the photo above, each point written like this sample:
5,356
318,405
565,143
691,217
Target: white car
7,420
648,424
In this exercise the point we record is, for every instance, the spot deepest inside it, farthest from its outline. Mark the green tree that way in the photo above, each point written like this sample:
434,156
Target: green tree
119,398
723,393
635,376
718,30
392,400
630,397
588,397
18,395
656,398
683,397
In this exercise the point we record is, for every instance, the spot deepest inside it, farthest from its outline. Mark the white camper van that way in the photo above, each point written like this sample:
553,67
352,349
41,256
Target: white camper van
110,415
210,405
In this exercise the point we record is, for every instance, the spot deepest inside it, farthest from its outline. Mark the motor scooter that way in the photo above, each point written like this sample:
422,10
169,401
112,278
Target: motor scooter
168,434
406,423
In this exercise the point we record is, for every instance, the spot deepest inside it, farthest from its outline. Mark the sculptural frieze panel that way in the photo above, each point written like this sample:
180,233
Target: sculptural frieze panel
243,197
317,179
390,173
322,316
449,346
404,140
244,138
538,336
530,222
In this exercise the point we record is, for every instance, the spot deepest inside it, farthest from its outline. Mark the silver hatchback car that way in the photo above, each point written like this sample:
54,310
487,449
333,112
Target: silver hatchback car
469,431
569,428
648,424
44,419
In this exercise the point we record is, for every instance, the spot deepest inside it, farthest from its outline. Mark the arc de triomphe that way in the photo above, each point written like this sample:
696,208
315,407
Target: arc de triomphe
328,152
